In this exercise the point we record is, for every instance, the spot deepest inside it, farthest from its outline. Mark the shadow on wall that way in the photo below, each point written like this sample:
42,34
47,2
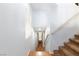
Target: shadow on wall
60,37
30,43
67,31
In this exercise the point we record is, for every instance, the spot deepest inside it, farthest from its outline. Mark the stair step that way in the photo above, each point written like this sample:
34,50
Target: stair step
74,41
76,36
40,46
56,53
67,52
73,47
70,50
60,50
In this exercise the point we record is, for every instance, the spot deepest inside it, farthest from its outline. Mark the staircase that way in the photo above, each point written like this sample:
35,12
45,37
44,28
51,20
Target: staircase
40,46
40,51
70,48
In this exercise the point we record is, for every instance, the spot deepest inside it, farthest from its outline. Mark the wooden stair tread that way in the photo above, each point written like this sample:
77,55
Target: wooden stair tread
70,50
60,50
56,53
76,36
40,46
75,41
73,46
67,52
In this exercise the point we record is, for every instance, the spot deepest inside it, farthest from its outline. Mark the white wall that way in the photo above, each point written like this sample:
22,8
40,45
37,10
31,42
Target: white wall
64,13
42,13
13,19
66,32
56,15
12,30
61,13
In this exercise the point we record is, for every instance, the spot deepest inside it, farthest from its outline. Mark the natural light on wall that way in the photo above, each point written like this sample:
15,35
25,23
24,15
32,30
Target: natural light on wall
40,18
28,26
36,19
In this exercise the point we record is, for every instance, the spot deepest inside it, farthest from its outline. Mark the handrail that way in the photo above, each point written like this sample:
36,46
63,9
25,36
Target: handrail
60,27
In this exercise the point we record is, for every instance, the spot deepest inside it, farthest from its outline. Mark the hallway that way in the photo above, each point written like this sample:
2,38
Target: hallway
39,28
70,48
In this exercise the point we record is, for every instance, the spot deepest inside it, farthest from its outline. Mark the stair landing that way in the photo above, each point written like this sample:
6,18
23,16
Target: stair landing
39,53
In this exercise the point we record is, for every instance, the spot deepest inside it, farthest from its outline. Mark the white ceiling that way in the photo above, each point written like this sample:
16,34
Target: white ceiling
42,6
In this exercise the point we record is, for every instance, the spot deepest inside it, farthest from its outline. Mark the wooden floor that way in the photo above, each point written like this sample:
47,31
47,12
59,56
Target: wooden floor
70,48
39,53
40,46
